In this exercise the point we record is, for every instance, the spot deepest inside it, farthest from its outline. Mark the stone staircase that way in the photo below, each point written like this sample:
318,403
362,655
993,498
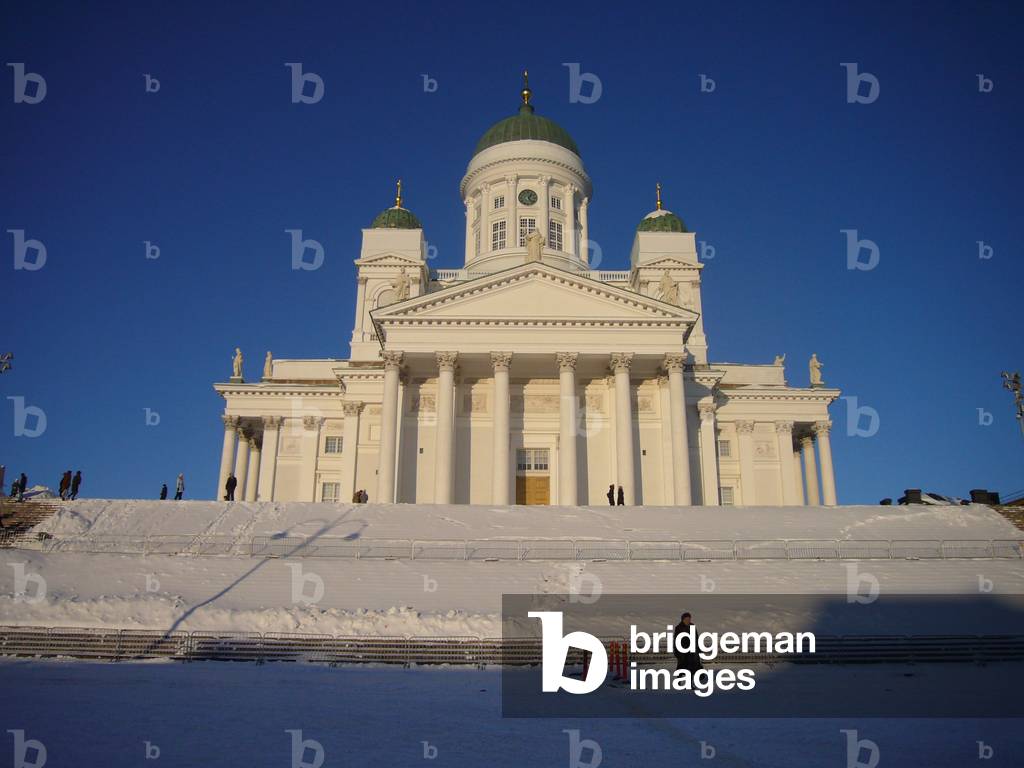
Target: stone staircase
19,517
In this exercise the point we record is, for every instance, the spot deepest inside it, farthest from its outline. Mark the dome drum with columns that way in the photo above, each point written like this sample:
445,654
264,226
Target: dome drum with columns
525,376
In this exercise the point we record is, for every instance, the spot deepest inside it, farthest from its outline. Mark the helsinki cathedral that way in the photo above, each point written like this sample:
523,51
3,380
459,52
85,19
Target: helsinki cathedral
525,376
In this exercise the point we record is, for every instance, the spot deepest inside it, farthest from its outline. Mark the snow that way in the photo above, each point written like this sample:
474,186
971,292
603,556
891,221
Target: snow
429,521
222,714
448,598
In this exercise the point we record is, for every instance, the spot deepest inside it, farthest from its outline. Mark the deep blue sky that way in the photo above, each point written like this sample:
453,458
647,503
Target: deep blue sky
768,168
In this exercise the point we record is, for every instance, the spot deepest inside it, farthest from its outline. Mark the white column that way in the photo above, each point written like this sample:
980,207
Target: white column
584,232
513,209
621,362
252,480
680,446
349,448
569,203
500,492
268,464
784,445
810,470
745,430
470,251
310,454
828,478
485,218
798,475
227,452
445,446
388,429
708,455
545,206
567,467
241,463
361,309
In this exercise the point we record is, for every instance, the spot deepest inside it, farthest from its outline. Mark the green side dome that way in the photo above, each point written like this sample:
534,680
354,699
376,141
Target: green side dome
396,218
661,221
526,126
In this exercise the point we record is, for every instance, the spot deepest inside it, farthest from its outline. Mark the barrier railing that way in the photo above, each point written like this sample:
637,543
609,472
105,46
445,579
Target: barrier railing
527,549
125,644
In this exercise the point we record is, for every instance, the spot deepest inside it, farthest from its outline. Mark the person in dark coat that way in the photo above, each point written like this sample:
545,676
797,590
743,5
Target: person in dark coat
229,487
22,486
690,661
76,483
65,484
622,497
611,494
363,497
163,492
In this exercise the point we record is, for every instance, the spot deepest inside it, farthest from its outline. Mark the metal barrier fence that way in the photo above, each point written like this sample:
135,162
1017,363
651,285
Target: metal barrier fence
527,549
127,644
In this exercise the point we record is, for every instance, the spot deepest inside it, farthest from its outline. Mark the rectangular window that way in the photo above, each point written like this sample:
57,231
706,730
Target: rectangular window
499,202
330,491
526,226
728,495
724,449
332,444
555,235
556,203
498,235
532,459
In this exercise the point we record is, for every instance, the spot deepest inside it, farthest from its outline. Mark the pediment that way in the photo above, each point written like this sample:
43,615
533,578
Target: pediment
389,259
534,294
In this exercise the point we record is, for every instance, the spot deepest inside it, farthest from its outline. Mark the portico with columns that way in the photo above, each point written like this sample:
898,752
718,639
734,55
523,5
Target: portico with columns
526,375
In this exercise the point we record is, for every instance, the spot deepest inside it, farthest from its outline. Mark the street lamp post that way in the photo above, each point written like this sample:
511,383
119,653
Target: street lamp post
1012,383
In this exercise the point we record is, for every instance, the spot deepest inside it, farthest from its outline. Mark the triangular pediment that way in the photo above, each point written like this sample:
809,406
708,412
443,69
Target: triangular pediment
534,293
389,259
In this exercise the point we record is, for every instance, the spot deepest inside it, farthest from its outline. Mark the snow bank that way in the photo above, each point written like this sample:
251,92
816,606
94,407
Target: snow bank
408,521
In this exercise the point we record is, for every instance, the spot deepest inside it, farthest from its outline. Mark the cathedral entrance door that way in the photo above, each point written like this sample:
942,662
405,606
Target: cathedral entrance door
533,479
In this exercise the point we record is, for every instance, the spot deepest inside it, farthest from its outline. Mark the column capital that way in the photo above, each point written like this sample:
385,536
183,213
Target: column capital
446,361
784,427
584,203
312,422
674,361
230,422
806,440
745,427
273,422
244,433
821,427
362,279
566,360
352,407
661,379
511,179
255,443
707,411
621,361
392,359
501,361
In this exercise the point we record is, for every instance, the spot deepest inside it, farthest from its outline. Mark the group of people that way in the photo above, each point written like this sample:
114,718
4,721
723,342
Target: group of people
179,488
19,486
69,485
620,498
360,497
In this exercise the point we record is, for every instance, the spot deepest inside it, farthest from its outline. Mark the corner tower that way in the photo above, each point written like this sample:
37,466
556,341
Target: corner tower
526,175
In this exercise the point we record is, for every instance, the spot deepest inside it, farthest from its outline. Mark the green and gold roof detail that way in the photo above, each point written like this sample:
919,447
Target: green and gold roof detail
396,217
660,220
526,126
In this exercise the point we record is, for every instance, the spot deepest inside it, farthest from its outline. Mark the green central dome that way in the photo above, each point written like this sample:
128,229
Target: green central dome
526,126
396,218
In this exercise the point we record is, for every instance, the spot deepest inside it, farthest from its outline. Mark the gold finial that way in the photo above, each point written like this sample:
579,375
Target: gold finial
398,195
526,92
657,187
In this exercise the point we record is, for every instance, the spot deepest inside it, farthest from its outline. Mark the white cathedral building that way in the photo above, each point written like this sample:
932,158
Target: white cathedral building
526,376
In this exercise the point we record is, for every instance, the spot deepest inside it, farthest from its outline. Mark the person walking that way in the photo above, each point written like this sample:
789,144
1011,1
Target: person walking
229,488
179,487
65,485
76,483
622,497
611,495
363,496
163,492
22,486
691,660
